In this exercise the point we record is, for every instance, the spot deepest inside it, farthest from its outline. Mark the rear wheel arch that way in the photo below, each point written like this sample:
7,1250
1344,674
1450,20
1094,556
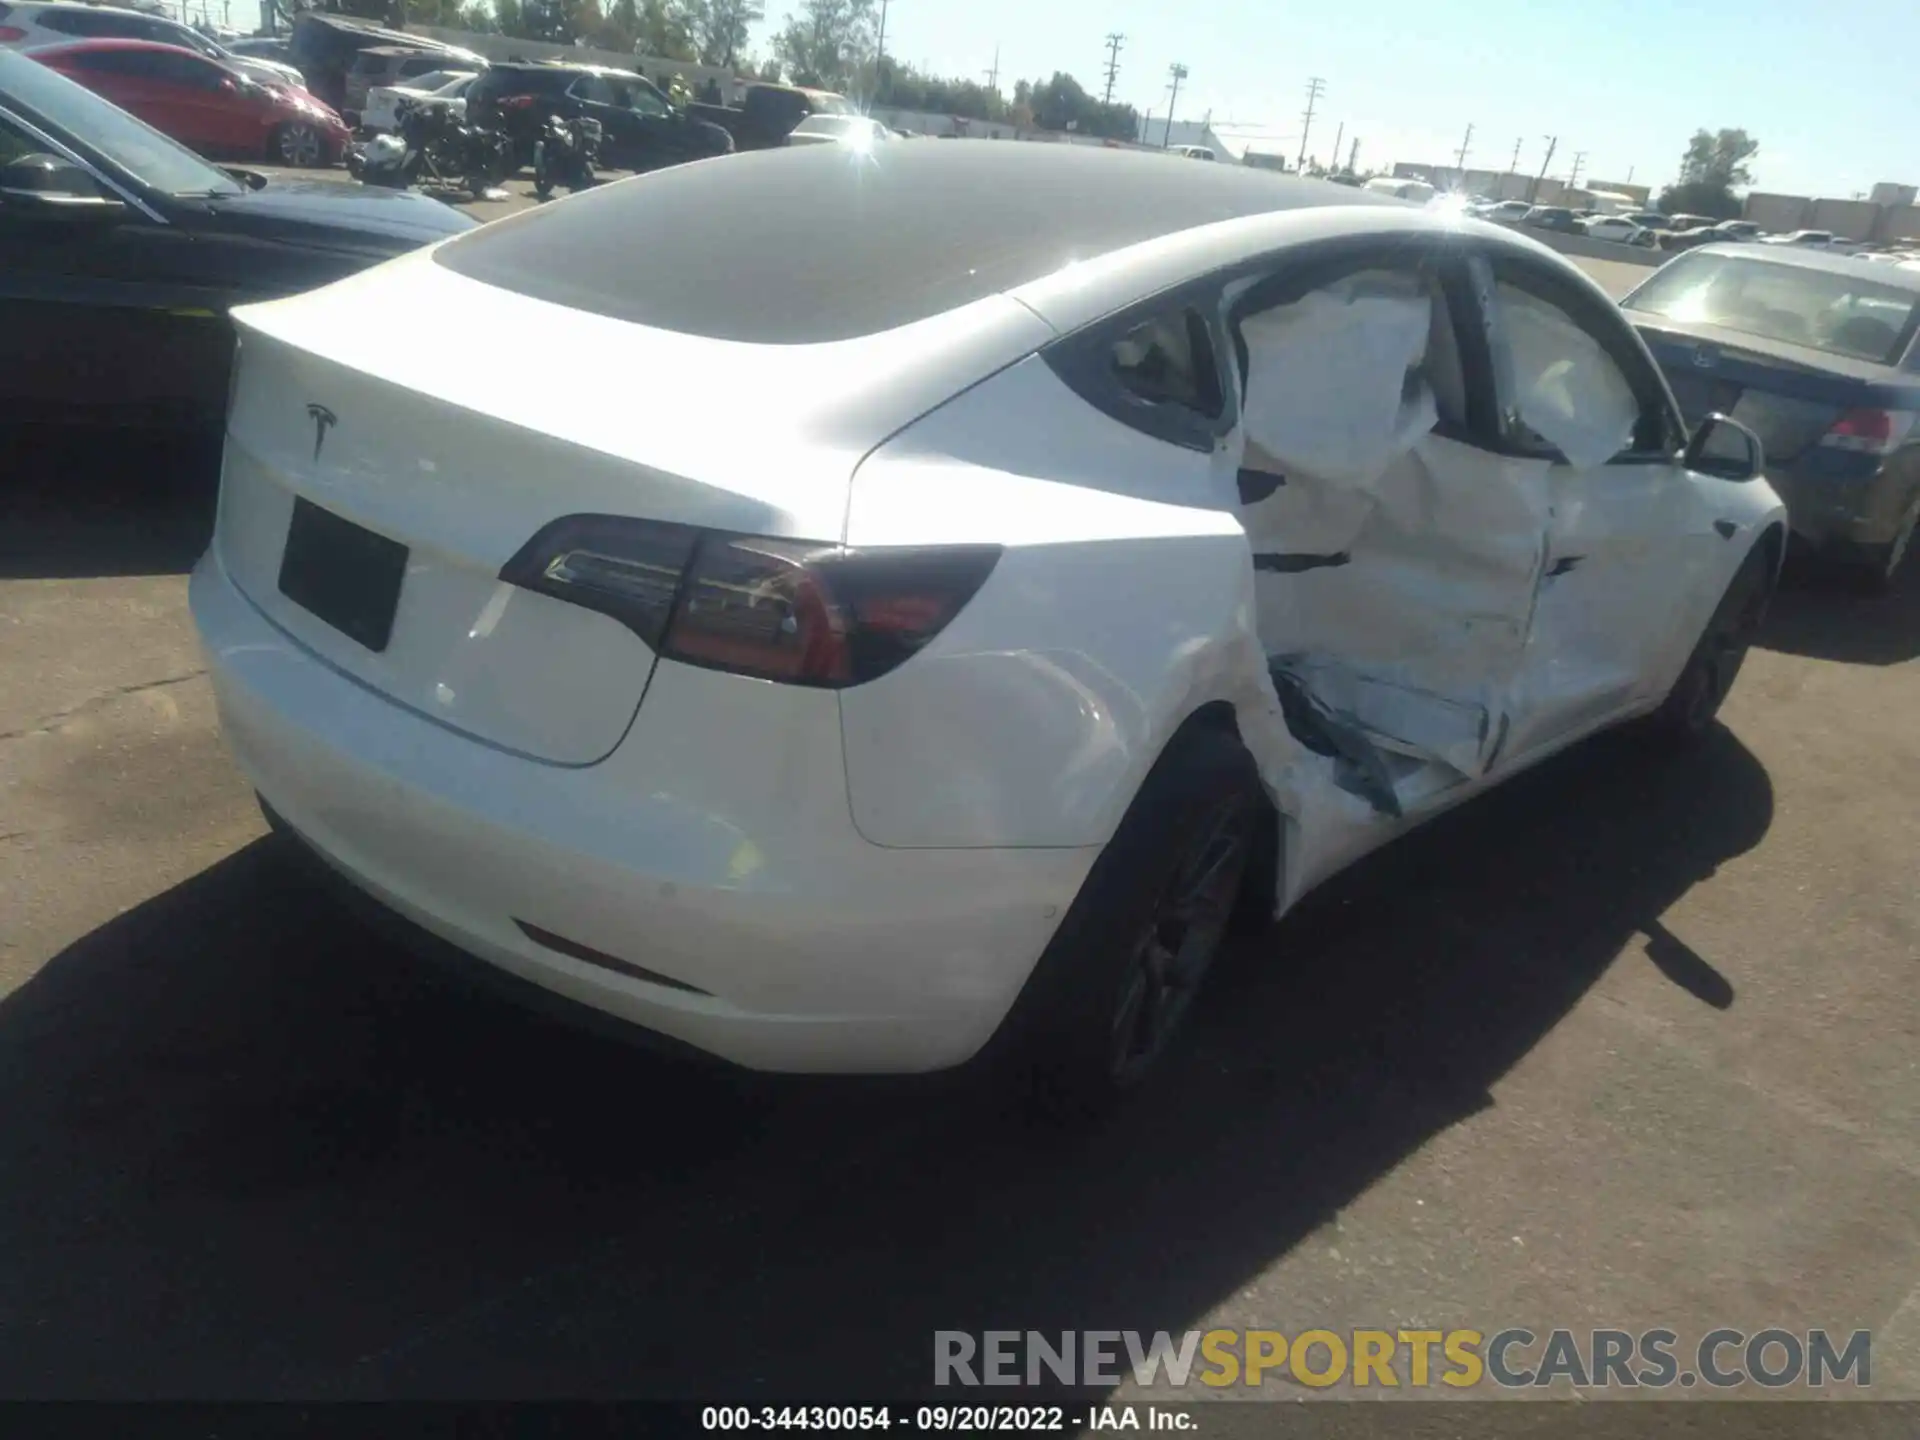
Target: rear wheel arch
1260,891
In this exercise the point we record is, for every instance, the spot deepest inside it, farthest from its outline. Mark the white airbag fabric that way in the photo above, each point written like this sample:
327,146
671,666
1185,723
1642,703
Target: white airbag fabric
1327,380
1571,393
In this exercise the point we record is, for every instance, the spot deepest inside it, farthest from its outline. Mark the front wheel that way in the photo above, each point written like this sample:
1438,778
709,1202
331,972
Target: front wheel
1112,991
297,143
542,171
1690,707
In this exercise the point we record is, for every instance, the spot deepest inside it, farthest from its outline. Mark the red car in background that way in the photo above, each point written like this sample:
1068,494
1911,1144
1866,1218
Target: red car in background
201,103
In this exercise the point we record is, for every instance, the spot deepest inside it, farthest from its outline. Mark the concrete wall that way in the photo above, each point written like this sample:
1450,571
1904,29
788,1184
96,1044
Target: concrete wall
1902,223
1849,219
1778,212
1494,184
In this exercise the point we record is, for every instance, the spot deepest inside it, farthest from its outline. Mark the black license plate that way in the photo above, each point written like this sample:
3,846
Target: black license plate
346,575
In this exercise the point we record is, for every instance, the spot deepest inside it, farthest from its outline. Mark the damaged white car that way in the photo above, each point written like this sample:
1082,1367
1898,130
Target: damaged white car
911,629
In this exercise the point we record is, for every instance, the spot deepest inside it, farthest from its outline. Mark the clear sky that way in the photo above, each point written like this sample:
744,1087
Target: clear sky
1828,87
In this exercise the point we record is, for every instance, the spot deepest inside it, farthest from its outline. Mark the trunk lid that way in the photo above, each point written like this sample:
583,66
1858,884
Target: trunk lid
1789,395
516,412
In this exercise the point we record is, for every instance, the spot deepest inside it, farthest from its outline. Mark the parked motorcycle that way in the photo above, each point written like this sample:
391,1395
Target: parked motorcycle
564,154
434,147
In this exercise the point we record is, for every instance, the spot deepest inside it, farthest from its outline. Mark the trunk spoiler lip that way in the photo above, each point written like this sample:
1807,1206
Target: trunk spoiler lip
1759,367
1778,356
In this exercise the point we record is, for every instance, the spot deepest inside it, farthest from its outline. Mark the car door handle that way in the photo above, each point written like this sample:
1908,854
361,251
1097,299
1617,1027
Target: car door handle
1564,565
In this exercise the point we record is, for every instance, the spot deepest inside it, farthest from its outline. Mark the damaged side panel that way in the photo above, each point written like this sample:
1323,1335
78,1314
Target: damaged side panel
1395,569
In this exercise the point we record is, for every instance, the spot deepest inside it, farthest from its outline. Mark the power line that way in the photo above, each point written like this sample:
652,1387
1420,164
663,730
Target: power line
1114,42
1179,73
1316,87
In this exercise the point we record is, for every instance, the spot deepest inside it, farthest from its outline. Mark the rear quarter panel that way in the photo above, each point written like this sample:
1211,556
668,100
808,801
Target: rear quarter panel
1121,603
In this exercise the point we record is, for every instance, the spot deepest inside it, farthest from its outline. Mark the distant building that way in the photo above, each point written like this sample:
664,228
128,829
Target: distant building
1244,144
1641,195
1886,193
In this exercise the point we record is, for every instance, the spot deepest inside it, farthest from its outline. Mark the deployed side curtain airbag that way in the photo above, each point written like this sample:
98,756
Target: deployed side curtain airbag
1571,393
1328,380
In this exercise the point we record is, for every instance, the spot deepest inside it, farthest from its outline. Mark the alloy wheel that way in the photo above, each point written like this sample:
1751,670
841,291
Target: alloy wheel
1177,944
300,145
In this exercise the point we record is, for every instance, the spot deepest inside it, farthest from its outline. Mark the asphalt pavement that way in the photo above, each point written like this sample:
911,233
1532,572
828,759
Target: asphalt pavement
1631,1042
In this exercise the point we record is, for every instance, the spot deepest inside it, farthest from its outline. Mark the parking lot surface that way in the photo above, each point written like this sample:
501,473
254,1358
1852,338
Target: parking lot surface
1629,1043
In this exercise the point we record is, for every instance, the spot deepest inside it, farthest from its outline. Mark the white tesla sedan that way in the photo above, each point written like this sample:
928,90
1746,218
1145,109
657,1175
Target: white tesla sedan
905,632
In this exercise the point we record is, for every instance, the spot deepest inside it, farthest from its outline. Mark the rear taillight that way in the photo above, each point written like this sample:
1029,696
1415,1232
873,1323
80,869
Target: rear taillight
517,102
1873,432
11,33
801,611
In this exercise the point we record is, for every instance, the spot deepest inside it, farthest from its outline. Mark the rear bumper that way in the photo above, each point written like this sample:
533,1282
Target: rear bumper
1839,499
809,948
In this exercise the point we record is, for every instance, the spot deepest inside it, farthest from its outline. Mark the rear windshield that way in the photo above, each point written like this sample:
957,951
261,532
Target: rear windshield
826,242
1840,314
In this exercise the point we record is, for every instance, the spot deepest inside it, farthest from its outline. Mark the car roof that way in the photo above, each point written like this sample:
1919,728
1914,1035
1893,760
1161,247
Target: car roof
70,7
1833,262
568,69
808,244
94,47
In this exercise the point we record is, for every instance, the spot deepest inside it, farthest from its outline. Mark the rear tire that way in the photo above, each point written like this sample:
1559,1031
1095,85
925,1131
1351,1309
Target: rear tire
1872,569
1688,712
1109,996
542,172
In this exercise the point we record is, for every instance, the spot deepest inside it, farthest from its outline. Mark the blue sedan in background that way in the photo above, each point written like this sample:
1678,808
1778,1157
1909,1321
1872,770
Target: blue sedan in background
1815,352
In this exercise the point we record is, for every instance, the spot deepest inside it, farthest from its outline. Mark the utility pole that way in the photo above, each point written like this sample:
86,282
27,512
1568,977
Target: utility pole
1553,144
880,48
1114,42
1179,73
1629,174
1579,162
1316,87
993,75
1460,160
1338,135
1353,156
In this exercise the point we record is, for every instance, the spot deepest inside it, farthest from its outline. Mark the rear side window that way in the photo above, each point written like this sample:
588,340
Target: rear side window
593,90
421,65
1168,359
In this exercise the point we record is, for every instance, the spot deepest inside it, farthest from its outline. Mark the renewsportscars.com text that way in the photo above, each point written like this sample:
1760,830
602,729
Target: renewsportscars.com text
1512,1358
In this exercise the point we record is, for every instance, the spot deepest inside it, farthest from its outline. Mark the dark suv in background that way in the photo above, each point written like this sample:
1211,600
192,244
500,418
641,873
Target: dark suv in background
640,129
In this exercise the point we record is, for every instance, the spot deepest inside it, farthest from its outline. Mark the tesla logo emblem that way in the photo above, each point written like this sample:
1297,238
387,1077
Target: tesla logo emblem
1705,359
323,421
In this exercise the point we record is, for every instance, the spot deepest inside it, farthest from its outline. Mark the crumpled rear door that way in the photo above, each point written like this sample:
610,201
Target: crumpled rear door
1396,561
